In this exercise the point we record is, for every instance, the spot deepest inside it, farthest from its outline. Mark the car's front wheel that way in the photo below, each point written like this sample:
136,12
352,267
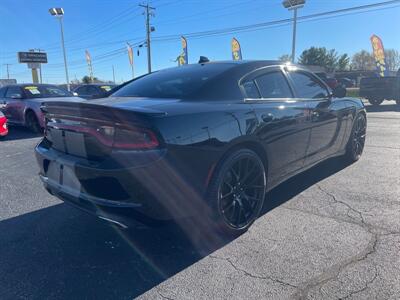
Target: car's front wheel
375,102
32,122
237,191
355,145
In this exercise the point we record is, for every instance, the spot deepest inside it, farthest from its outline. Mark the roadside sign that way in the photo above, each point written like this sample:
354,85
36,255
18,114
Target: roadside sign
34,65
32,57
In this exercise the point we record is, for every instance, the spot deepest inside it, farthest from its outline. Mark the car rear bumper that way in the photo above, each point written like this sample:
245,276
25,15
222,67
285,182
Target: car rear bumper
118,194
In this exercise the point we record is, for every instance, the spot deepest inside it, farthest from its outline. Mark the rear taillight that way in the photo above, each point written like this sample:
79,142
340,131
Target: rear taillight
128,138
138,138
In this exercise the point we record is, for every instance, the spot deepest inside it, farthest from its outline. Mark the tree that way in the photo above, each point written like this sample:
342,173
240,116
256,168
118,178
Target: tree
343,62
363,61
392,57
86,79
329,59
285,57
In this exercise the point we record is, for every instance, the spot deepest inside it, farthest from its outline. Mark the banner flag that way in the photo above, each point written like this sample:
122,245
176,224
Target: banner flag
88,58
183,58
379,54
130,53
236,50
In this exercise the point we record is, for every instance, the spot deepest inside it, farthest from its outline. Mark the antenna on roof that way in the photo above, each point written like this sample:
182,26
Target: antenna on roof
203,59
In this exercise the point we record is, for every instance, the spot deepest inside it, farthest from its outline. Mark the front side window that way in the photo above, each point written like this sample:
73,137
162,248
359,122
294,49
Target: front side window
308,87
274,85
13,90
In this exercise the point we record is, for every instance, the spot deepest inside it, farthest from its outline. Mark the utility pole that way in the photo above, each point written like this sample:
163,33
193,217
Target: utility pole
148,12
293,5
8,70
113,74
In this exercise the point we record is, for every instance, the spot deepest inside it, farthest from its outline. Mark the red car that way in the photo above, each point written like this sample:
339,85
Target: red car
3,125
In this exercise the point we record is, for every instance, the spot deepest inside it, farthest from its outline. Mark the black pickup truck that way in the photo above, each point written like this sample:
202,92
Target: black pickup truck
377,89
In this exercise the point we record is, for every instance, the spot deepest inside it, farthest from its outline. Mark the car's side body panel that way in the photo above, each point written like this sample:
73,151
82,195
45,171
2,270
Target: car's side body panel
289,134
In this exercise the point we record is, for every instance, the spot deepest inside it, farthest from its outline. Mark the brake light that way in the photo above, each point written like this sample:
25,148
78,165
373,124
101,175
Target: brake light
137,138
128,138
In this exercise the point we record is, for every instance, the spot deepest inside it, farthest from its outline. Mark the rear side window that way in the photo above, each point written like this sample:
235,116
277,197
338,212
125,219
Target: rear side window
13,90
308,87
274,85
251,90
188,82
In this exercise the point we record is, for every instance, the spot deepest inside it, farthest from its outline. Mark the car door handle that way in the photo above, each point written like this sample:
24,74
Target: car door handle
267,118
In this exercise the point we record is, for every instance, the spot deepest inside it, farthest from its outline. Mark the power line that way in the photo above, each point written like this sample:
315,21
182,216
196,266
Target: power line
272,23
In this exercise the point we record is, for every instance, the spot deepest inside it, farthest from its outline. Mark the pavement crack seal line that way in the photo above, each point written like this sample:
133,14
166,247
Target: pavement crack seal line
349,208
365,287
252,275
162,296
334,271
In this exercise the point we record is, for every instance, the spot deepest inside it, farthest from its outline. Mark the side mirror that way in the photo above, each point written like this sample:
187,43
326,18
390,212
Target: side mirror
16,96
339,92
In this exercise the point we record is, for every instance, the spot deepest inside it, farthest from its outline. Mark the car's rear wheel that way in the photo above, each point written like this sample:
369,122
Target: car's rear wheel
375,102
237,191
32,122
355,145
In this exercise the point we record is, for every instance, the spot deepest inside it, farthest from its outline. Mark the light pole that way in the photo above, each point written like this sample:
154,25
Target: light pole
59,13
294,5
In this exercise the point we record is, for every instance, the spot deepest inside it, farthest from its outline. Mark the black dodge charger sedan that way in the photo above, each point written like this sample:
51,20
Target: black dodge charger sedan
206,140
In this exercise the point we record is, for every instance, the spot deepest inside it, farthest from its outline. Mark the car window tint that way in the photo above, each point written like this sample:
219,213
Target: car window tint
187,82
12,90
251,90
307,86
81,90
274,85
93,90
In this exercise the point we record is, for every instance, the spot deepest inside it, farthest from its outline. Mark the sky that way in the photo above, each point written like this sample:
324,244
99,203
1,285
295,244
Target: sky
104,26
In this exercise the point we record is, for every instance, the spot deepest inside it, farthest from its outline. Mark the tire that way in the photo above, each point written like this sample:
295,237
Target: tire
356,142
398,102
237,192
375,102
32,122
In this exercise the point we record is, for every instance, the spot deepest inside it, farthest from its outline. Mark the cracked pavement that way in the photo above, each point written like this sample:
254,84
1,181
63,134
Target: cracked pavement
330,233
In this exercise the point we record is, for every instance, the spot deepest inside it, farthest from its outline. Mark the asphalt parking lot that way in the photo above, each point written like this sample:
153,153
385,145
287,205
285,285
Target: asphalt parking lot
330,233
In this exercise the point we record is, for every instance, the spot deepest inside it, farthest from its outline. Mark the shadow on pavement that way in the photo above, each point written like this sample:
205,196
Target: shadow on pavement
382,108
19,133
61,253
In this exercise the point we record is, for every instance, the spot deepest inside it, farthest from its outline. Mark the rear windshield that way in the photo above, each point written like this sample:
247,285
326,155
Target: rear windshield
183,82
40,91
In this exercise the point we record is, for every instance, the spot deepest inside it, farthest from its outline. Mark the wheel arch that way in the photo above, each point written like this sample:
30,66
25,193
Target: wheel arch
28,110
251,145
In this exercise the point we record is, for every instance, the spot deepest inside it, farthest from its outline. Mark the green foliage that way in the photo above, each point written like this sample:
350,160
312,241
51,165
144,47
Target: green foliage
329,59
285,57
363,61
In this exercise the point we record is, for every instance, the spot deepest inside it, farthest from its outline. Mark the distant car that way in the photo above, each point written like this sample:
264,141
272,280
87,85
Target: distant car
21,103
3,125
330,81
94,91
377,89
347,82
205,140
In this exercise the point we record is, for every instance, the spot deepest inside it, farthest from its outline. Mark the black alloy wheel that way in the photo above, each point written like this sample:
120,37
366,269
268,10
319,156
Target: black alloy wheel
356,143
375,102
32,122
238,190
